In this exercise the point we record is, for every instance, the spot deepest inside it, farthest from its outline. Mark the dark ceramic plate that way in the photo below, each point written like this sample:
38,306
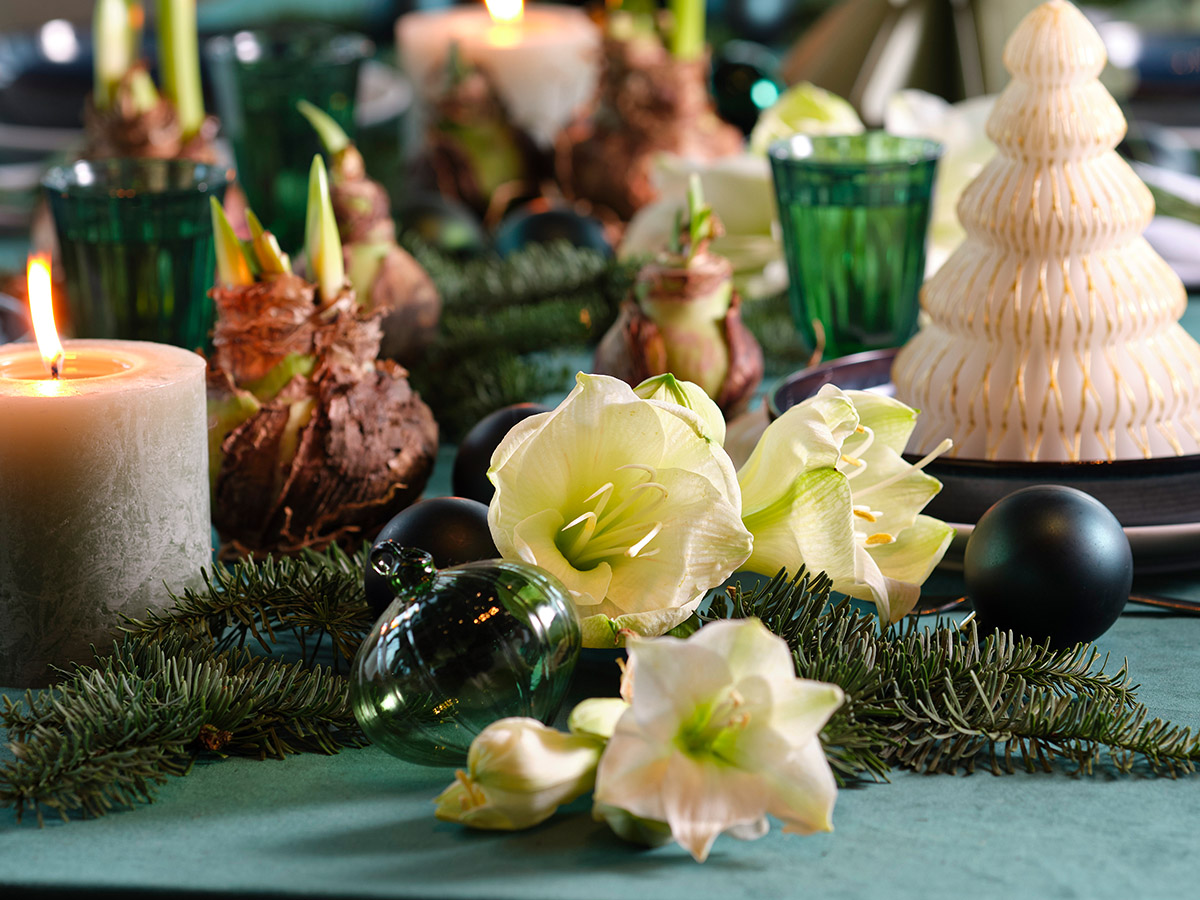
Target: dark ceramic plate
1156,500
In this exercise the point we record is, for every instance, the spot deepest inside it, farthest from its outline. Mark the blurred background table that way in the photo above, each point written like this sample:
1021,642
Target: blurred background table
360,824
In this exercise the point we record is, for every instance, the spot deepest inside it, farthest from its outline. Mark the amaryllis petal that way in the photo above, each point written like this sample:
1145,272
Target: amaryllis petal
600,631
628,501
805,437
803,791
702,797
718,733
533,541
810,525
913,555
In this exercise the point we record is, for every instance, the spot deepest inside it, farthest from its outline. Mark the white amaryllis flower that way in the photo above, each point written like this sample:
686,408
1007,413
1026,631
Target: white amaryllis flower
518,773
804,109
826,487
626,501
719,733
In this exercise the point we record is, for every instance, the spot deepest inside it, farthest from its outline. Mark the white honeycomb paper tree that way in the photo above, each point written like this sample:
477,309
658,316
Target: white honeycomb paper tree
1053,333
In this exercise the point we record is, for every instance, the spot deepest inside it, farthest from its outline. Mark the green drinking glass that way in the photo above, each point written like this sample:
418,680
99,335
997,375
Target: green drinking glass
259,77
136,242
854,211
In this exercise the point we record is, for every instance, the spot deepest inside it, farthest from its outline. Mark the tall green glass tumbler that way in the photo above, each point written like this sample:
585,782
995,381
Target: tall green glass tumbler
259,77
854,212
136,242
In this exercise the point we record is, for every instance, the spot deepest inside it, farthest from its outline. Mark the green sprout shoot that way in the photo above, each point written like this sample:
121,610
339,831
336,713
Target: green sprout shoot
332,137
233,269
179,58
322,244
114,46
271,259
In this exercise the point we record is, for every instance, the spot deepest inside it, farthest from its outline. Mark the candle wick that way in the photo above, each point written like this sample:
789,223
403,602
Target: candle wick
55,366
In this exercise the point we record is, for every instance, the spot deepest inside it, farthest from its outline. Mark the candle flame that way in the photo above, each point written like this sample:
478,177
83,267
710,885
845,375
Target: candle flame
41,310
506,12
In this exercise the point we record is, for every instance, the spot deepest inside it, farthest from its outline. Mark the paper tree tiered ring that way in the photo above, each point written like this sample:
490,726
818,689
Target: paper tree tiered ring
1053,330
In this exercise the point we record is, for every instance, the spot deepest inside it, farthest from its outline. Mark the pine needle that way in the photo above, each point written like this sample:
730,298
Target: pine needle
946,700
192,682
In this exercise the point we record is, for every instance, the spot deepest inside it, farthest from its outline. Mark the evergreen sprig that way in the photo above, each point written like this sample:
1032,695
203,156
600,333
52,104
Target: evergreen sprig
944,699
111,733
188,682
500,314
310,598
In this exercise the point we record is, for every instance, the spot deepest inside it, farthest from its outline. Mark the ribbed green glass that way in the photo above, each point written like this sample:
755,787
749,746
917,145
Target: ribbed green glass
259,76
854,211
458,649
136,243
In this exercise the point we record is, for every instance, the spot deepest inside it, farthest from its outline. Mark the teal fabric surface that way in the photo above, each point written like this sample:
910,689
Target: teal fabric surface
361,824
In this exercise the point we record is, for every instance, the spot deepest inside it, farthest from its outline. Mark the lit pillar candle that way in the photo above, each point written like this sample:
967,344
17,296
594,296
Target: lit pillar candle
103,491
543,60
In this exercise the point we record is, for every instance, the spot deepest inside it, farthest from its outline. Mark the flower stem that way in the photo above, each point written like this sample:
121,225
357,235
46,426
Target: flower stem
687,33
114,47
179,60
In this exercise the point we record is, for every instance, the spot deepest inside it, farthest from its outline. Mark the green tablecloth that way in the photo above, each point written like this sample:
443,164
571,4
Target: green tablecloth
360,824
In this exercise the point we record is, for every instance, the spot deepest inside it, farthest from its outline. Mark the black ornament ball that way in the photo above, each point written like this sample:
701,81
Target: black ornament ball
474,456
529,226
452,530
444,224
1049,562
745,81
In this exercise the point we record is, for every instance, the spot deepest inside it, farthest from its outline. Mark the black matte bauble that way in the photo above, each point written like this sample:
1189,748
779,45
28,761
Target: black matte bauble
474,456
525,226
1049,562
452,530
443,223
745,81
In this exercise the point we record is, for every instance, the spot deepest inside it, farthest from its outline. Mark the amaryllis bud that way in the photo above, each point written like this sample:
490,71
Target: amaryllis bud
669,389
518,773
596,717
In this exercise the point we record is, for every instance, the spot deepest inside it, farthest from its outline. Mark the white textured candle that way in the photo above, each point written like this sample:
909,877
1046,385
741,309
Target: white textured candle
544,66
103,495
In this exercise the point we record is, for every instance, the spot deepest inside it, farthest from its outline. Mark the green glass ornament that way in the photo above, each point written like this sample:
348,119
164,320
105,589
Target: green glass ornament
458,649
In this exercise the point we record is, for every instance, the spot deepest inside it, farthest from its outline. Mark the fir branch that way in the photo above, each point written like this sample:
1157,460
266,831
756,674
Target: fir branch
111,733
944,699
498,314
312,597
535,273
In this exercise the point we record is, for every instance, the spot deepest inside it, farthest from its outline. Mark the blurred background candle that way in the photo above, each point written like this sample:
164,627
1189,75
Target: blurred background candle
543,60
103,489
